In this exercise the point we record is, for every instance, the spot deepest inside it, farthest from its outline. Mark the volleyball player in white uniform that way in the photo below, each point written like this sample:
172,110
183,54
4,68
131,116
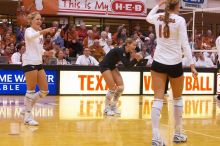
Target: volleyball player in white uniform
32,65
171,39
218,49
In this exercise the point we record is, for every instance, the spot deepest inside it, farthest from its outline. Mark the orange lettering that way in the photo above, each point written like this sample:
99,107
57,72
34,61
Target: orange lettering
90,82
207,84
147,81
82,77
99,83
196,84
188,83
202,88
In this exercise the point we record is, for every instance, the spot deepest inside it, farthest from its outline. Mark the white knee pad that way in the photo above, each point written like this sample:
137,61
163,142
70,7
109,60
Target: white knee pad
178,102
158,104
43,94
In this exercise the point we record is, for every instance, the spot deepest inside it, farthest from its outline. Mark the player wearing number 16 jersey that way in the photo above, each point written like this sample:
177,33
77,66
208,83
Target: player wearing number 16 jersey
171,39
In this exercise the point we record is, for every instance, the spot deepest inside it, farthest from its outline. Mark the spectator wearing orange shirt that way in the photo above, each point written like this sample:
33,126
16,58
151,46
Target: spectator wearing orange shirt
89,40
97,51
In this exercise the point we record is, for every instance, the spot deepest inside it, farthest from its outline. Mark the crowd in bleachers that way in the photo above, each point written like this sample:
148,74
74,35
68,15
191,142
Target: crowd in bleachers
73,45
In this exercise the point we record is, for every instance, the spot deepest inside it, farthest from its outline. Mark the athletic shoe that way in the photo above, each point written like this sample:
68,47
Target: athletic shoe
108,111
158,142
28,120
179,138
115,110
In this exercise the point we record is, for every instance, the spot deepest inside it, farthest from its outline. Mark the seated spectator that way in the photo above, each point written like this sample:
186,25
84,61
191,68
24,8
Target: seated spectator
103,39
97,51
7,53
96,33
48,43
60,58
12,48
107,29
143,51
82,31
16,58
86,59
150,58
8,38
108,46
2,47
120,43
202,61
89,40
66,52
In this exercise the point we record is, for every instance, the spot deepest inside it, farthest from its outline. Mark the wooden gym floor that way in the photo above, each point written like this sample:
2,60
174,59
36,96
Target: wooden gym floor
79,121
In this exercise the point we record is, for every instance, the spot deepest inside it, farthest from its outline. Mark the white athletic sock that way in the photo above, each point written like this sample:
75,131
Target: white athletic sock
108,97
155,117
178,111
28,100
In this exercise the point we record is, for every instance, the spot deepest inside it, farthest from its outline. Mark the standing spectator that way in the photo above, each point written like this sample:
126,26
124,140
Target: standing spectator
89,40
20,34
97,51
122,34
96,33
107,30
16,58
60,58
108,46
86,59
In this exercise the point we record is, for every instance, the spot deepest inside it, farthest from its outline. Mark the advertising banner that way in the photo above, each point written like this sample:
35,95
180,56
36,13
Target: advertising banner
12,82
131,9
91,82
194,3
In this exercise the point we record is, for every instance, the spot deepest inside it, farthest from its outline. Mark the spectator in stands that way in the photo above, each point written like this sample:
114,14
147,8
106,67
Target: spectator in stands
9,38
115,35
120,43
96,33
66,52
86,59
2,47
108,46
122,34
97,51
61,58
3,28
150,30
143,51
56,37
12,47
208,40
16,58
138,40
103,39
107,30
89,40
20,34
7,53
202,61
137,30
48,42
150,58
82,32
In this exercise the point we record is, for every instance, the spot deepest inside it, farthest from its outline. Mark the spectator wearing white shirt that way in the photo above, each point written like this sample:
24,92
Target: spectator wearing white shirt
61,58
202,60
103,39
16,58
86,59
108,46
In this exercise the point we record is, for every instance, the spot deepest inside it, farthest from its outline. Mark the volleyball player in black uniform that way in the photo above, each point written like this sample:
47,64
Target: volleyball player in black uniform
128,56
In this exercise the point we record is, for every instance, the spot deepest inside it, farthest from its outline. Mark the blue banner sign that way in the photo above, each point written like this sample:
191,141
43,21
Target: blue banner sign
12,82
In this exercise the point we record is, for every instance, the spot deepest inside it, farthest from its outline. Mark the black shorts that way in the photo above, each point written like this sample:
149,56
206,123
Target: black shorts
28,68
103,68
172,71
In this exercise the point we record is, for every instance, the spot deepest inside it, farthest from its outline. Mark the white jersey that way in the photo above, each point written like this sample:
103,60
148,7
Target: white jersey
218,47
169,50
34,47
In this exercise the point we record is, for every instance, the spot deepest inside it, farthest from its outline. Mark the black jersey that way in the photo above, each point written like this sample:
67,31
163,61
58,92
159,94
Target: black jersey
114,56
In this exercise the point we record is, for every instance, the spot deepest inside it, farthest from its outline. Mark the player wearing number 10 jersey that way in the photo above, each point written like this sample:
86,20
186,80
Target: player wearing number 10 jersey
171,39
